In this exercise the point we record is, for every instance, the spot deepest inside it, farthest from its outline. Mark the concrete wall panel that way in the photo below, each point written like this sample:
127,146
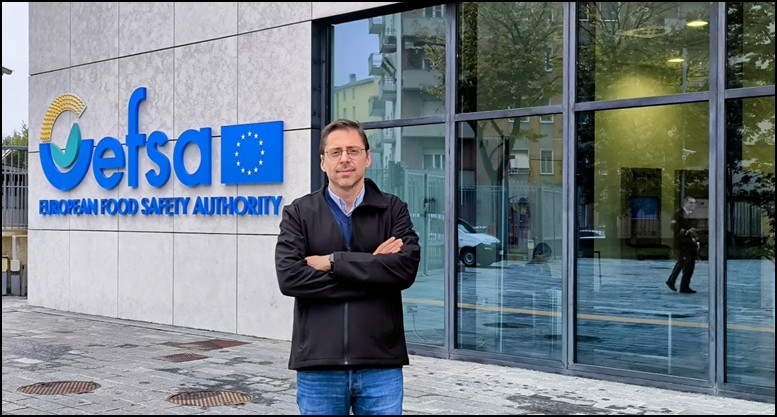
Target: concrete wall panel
205,281
49,25
145,288
261,308
48,272
94,32
145,26
93,263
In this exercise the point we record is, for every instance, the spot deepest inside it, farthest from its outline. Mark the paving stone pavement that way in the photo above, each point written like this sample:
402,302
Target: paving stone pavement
135,365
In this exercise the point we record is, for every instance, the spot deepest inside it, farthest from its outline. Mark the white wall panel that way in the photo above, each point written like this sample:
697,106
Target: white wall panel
253,16
145,289
145,26
94,31
205,281
261,308
49,41
196,22
48,269
206,85
93,272
275,81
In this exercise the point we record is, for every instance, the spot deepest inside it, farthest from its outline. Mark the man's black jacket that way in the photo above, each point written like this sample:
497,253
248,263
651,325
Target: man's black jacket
351,318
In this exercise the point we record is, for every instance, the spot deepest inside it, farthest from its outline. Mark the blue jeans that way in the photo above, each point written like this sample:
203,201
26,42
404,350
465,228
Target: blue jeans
337,392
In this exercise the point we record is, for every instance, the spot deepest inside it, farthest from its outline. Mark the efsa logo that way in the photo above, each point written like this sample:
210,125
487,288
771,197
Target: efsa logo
251,153
51,154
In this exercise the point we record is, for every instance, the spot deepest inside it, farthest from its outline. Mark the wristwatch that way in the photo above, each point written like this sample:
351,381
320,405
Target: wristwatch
332,263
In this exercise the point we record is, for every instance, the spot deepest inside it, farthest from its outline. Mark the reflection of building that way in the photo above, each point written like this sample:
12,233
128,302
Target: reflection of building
406,86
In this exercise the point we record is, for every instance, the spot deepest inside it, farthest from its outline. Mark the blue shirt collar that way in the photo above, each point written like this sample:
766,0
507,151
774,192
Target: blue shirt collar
341,203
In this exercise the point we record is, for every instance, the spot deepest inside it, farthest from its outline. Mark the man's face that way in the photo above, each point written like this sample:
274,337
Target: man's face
690,204
346,171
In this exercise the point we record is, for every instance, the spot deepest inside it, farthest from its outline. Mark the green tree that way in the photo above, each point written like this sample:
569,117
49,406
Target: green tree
15,148
18,138
509,57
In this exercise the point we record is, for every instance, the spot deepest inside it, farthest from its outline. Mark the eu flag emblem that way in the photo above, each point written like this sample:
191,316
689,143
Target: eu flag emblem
252,153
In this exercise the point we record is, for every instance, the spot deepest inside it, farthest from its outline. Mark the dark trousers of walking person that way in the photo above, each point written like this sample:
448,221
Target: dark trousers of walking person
685,263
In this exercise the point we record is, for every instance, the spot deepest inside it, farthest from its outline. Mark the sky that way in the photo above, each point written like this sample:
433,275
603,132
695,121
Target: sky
16,85
353,46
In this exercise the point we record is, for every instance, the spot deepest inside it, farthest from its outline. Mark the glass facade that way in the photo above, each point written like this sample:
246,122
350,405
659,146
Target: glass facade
592,182
634,169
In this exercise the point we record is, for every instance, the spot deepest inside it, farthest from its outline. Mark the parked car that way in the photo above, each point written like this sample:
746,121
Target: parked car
477,248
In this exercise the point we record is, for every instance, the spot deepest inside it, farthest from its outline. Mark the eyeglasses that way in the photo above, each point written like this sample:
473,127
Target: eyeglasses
352,151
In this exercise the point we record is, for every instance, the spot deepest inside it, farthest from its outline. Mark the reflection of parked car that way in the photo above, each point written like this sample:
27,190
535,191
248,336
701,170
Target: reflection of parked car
587,237
477,248
591,234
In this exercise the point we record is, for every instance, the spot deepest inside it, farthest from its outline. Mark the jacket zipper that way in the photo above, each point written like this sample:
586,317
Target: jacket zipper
345,327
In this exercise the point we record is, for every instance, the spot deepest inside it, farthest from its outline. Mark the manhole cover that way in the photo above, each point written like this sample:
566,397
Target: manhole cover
210,398
59,387
183,357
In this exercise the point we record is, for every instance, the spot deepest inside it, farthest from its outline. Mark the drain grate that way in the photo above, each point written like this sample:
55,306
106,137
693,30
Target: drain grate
183,357
209,398
211,344
60,387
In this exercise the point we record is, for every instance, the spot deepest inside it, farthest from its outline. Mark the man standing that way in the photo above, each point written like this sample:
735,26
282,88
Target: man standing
687,245
345,253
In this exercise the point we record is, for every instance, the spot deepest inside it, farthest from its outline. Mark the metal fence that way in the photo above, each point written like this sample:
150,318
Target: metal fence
15,191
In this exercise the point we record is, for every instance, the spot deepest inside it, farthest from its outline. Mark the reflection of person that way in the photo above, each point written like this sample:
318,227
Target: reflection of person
539,261
687,245
345,253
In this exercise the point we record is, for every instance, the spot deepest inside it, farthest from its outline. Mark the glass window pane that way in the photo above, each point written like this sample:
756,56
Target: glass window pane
642,49
399,166
639,171
749,242
509,239
750,44
509,55
392,66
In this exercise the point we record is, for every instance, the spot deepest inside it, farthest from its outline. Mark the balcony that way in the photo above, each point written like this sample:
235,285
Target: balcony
377,106
376,25
388,41
419,78
387,89
375,62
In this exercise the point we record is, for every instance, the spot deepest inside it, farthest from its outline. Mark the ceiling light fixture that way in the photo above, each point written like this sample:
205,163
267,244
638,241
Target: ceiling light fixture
698,23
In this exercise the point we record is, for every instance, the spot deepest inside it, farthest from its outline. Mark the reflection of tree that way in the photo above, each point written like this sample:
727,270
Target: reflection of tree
750,60
617,38
504,56
751,180
626,42
750,123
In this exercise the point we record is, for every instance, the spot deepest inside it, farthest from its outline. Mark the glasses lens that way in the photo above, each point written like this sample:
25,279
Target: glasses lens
334,154
354,152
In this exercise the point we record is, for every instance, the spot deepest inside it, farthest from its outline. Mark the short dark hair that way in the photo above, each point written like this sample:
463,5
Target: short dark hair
341,124
542,249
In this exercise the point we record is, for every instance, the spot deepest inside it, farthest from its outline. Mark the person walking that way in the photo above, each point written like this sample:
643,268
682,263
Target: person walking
345,253
687,245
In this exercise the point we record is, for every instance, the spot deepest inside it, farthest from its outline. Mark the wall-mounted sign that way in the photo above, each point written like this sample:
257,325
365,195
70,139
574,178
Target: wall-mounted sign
250,154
